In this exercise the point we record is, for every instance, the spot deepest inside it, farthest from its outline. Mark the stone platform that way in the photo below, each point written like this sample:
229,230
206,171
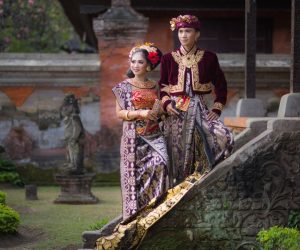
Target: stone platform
75,189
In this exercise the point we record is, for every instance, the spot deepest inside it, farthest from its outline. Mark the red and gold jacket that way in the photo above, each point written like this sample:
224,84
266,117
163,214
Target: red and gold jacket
205,71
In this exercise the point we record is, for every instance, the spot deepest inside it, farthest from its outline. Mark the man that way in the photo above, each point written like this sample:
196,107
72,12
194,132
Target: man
196,138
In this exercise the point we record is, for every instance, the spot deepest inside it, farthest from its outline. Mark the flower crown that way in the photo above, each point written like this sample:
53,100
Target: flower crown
185,21
154,54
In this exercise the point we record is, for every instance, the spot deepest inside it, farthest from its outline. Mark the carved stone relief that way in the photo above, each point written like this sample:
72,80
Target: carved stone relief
228,213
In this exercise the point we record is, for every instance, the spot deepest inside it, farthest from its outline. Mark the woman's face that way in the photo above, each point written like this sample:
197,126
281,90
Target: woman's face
188,36
138,64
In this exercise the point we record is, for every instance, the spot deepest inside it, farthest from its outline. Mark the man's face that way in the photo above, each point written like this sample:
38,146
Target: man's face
188,36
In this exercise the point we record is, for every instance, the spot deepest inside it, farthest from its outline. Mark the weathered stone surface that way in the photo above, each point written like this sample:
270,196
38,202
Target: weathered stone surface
250,107
31,192
75,189
250,48
18,143
89,237
255,188
255,126
37,69
295,47
289,105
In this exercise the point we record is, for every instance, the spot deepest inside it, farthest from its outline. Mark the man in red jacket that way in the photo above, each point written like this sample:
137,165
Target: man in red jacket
196,138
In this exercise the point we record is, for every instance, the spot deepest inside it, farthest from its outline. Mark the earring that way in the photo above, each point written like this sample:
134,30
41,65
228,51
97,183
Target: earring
148,68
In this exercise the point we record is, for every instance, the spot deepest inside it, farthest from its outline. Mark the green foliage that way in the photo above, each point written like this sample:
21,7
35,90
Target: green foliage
2,198
107,179
8,173
279,238
11,177
33,174
33,26
99,224
6,165
294,220
9,220
46,217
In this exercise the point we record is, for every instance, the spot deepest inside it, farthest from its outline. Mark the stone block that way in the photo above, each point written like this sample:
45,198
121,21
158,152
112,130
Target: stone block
250,107
31,192
90,237
289,105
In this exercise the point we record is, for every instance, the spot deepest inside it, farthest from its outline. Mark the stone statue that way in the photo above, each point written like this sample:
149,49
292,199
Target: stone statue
74,135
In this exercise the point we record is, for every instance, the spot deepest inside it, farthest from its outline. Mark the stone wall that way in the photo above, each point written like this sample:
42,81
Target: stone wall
253,189
32,88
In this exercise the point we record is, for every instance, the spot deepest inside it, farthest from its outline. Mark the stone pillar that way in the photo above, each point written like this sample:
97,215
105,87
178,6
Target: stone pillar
290,103
250,48
295,47
117,31
250,106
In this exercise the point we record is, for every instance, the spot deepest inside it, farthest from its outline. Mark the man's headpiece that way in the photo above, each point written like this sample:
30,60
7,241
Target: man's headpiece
185,21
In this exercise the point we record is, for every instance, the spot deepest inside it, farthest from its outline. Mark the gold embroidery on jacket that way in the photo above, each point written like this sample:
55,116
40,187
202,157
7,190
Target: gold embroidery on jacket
189,61
218,105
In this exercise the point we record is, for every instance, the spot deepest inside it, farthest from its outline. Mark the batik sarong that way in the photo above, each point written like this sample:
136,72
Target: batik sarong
144,158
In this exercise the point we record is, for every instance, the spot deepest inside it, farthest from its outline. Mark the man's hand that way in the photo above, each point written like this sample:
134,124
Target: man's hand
212,116
152,116
171,110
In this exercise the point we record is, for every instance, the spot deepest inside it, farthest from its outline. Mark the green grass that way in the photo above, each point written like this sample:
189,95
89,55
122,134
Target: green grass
62,224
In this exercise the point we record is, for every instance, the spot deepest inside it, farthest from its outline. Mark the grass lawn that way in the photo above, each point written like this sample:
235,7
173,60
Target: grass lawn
60,225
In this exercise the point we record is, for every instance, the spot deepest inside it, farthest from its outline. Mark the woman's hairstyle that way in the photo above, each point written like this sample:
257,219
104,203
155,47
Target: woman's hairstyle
151,53
145,54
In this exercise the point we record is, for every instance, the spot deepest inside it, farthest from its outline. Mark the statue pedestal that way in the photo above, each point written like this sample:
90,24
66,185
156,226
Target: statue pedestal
75,189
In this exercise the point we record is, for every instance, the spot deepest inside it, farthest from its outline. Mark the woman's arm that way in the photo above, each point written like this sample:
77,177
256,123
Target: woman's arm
129,115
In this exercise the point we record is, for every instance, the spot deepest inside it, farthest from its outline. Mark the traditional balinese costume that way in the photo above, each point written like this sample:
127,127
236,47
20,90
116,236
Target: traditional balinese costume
193,141
144,157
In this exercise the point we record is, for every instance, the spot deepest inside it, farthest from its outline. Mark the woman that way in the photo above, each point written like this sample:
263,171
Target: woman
196,138
143,152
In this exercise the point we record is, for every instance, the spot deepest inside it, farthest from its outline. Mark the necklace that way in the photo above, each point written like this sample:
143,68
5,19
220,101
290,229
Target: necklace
142,84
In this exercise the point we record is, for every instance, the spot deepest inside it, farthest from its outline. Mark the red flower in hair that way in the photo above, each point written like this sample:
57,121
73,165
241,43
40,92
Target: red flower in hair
153,57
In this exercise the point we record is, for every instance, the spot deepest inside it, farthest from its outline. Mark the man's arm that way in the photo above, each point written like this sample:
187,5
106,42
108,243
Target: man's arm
220,84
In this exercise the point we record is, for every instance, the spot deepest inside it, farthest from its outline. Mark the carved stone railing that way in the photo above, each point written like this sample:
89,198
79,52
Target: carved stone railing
253,189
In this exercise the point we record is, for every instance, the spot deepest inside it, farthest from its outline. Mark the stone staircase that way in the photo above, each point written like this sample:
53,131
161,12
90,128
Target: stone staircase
255,188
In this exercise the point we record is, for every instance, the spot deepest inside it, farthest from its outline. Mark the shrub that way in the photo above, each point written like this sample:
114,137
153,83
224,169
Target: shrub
33,26
9,220
294,220
279,238
6,165
2,198
11,177
99,224
8,173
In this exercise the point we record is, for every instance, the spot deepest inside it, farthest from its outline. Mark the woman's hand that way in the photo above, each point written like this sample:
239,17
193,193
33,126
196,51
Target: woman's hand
212,116
148,115
171,110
